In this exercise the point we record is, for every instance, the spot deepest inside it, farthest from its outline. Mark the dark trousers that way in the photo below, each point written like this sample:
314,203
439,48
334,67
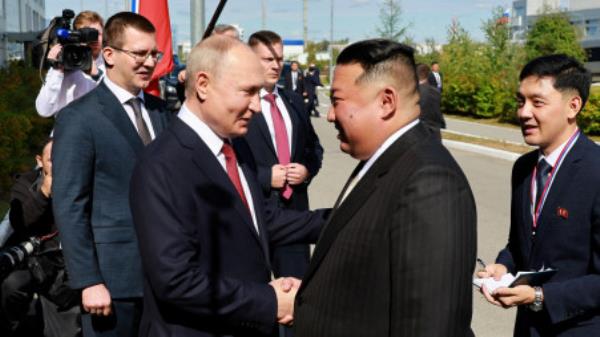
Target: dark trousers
123,322
16,294
311,107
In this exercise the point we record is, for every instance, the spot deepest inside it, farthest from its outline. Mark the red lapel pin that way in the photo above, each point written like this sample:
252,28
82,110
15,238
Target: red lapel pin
562,212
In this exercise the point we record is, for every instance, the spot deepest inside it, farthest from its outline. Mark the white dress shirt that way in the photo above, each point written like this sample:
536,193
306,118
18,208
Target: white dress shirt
384,146
124,96
294,80
551,159
266,111
215,144
62,88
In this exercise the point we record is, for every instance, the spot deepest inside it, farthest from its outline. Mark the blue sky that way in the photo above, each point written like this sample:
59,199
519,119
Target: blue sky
354,19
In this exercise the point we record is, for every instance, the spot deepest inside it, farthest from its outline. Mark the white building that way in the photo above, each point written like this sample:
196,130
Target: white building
584,14
20,20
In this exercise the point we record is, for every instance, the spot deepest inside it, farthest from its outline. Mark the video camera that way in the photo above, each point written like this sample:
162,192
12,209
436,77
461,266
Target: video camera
75,53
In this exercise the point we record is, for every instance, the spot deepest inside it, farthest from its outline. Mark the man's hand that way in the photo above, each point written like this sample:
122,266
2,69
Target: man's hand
46,188
285,290
181,76
296,173
495,270
96,300
53,54
278,173
519,295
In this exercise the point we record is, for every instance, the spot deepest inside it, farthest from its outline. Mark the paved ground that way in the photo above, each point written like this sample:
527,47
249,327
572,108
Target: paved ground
506,133
489,178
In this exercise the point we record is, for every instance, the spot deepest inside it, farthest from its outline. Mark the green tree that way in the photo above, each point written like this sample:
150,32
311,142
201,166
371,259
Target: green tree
552,33
23,131
500,70
461,64
391,27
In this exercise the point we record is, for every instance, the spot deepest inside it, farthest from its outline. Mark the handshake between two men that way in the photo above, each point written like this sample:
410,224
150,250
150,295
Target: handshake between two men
286,289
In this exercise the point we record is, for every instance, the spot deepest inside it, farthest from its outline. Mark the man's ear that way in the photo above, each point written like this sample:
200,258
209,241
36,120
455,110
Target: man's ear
108,54
388,102
38,159
575,104
201,82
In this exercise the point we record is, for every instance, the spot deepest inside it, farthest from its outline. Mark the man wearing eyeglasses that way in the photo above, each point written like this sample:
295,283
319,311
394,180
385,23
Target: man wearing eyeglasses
97,140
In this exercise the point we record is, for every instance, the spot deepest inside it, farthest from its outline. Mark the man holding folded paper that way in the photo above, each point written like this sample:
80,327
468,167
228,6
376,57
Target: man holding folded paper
555,217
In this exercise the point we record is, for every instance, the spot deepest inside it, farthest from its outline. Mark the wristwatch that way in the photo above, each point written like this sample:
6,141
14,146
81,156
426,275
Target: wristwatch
537,304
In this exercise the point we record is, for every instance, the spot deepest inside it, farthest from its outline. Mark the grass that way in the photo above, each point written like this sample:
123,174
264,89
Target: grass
496,144
595,90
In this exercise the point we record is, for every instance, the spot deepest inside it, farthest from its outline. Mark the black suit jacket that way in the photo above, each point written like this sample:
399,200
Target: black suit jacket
433,82
299,82
205,267
93,155
306,149
430,101
396,257
568,243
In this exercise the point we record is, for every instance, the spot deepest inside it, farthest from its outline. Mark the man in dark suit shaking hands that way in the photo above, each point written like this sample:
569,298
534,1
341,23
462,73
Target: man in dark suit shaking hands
555,209
97,139
203,225
397,256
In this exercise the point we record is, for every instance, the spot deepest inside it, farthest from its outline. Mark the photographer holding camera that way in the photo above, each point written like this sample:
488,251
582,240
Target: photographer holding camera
43,272
63,84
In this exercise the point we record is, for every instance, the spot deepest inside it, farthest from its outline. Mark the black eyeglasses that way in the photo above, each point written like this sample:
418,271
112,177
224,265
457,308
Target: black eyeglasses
141,57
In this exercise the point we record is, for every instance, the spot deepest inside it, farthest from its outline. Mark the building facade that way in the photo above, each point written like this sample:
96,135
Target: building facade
20,20
584,14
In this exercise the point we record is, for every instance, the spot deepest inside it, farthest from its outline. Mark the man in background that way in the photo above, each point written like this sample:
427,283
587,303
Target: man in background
62,87
97,141
294,79
285,147
435,77
429,102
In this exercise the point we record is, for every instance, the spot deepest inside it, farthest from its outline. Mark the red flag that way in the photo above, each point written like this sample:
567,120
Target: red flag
157,11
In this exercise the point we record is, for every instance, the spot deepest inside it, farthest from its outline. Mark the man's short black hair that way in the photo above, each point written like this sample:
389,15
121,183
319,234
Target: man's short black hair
568,73
380,56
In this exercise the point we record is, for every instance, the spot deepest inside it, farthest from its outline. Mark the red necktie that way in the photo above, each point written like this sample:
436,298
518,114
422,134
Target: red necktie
232,171
281,140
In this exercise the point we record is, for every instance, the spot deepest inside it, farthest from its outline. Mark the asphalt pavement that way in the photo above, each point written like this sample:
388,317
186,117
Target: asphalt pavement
489,177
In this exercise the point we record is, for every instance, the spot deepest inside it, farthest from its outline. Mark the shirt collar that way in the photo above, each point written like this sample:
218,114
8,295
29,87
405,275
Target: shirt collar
553,156
122,95
208,136
263,92
384,146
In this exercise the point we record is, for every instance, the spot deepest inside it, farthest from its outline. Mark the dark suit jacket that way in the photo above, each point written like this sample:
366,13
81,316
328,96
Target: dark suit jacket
571,245
299,85
93,155
430,101
306,149
205,267
396,257
433,82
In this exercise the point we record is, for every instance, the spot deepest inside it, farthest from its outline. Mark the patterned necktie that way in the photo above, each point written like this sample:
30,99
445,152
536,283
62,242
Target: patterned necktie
281,140
541,177
142,128
232,171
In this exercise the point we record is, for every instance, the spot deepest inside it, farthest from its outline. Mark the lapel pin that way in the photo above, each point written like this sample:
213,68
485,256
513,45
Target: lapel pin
562,212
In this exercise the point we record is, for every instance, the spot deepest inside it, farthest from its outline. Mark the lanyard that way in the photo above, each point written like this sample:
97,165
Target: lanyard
538,208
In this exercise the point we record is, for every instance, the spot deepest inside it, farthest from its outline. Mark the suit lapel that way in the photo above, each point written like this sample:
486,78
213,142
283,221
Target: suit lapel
114,111
208,163
360,194
264,131
295,122
559,187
